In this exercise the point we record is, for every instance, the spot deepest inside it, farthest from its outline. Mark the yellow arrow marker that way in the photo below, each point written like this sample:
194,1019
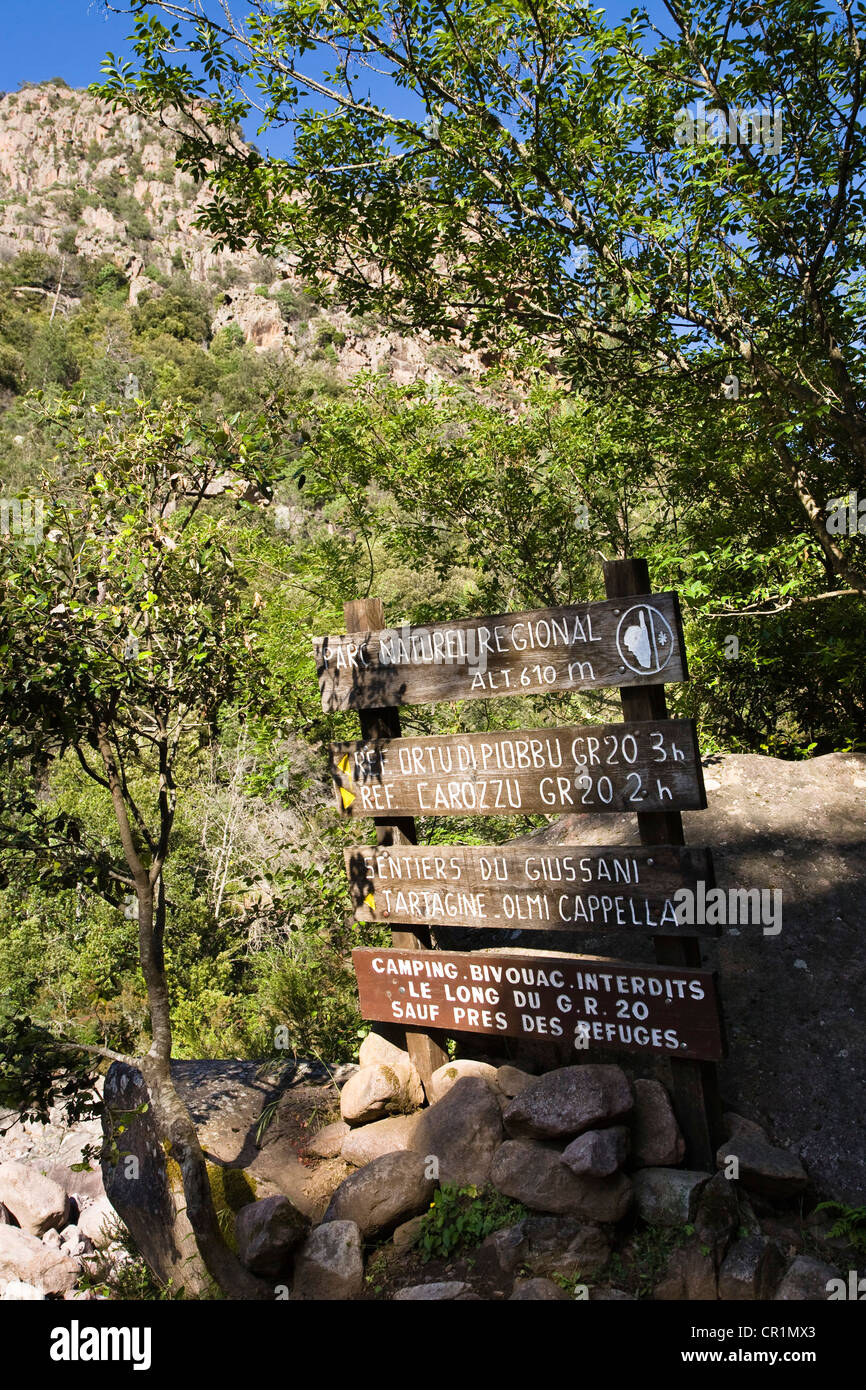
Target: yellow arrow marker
370,902
343,764
348,797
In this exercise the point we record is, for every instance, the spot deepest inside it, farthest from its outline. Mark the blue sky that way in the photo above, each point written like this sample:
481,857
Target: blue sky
40,39
56,38
69,38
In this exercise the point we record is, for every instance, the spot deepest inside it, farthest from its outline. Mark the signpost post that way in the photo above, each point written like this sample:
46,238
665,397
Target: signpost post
425,1047
695,1085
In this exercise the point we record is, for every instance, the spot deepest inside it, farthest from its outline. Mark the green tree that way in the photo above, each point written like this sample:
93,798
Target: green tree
122,636
530,173
178,314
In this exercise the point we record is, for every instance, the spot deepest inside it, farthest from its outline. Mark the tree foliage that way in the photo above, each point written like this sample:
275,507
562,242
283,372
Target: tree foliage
541,186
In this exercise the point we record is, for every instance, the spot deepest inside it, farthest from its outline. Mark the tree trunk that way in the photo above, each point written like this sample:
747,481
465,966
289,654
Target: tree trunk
172,1118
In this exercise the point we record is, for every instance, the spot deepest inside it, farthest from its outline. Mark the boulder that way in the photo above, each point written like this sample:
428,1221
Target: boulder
562,1245
18,1292
762,1168
601,1295
6,1217
806,1279
718,1210
329,1141
598,1152
379,1090
498,1256
446,1289
444,1077
37,1203
568,1101
656,1138
383,1194
267,1232
787,1232
371,1141
462,1132
73,1246
376,1050
23,1257
735,1126
751,1269
406,1234
533,1174
691,1275
511,1081
668,1196
330,1265
92,1221
83,1185
538,1291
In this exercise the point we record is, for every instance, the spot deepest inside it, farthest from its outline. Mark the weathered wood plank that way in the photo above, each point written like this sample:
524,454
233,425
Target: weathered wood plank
578,888
599,767
581,647
600,1003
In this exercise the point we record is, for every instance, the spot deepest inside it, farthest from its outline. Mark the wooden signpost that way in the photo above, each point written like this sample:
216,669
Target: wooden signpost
600,1002
594,767
649,764
579,888
583,647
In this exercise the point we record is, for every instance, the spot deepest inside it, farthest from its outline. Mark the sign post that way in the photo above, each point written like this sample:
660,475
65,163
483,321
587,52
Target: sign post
695,1084
427,1049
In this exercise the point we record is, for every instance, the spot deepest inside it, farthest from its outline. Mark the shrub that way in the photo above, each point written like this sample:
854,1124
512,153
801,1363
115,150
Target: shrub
179,314
461,1217
329,336
295,306
66,241
11,368
313,995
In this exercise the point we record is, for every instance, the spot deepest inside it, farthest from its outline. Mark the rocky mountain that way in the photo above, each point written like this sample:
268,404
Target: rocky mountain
78,179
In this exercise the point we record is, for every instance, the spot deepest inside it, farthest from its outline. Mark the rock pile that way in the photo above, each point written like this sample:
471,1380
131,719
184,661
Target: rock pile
48,1231
580,1164
590,1155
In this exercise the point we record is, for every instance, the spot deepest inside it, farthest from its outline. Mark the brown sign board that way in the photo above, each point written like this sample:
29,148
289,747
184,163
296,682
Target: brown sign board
649,1009
528,887
633,641
642,766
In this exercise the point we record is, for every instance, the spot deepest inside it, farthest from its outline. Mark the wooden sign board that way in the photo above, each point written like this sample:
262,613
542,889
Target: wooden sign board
634,641
651,766
600,1003
529,888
